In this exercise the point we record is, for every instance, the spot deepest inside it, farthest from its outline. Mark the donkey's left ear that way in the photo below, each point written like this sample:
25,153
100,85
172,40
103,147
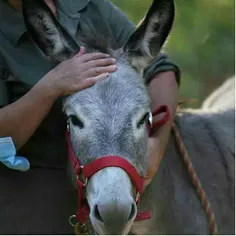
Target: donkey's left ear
146,42
46,31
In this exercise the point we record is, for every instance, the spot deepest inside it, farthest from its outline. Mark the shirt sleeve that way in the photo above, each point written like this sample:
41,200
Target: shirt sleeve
162,64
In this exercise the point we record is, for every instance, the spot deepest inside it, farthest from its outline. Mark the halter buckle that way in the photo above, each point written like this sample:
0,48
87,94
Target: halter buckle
84,183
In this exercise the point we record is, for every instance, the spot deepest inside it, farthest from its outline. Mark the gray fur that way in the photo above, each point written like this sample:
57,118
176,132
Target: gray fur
110,111
172,197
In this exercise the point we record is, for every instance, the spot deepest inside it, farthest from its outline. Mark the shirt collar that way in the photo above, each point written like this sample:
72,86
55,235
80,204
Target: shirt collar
12,23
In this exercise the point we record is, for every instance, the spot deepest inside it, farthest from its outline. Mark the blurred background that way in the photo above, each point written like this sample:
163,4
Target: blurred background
202,42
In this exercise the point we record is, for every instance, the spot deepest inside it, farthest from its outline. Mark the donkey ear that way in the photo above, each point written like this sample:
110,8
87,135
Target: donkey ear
146,42
46,31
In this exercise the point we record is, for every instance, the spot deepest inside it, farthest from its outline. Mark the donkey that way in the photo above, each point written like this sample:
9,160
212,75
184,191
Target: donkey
109,119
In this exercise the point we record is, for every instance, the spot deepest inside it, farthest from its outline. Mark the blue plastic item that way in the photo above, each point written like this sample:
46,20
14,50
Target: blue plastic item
8,156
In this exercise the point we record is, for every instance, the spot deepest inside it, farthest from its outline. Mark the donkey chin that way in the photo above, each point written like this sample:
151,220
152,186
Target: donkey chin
111,197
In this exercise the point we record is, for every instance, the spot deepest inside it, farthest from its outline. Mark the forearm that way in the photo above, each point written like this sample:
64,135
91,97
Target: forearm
163,90
20,119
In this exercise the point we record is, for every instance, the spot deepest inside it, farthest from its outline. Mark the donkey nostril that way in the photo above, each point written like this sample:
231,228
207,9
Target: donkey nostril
97,214
114,216
133,211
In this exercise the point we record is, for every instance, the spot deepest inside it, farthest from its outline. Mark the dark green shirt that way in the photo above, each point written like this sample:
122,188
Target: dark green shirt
22,65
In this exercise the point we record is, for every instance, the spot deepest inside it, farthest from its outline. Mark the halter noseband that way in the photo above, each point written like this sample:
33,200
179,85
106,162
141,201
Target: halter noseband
83,173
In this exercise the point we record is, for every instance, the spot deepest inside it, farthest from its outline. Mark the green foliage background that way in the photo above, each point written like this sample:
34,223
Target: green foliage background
202,42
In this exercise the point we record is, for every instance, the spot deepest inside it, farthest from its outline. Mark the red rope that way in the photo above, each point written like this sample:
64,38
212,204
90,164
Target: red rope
196,182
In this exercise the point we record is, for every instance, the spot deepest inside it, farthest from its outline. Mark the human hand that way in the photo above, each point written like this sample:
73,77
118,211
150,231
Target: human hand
78,73
8,156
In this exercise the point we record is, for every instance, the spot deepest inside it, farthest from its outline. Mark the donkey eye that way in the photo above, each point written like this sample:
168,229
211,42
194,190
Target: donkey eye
143,120
76,121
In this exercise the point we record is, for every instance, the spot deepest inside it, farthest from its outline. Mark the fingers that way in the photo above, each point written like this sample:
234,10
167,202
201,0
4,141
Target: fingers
93,56
91,81
93,72
95,63
89,56
81,52
99,63
99,78
84,70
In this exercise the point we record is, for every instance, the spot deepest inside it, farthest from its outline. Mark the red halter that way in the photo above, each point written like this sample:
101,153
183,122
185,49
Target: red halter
83,173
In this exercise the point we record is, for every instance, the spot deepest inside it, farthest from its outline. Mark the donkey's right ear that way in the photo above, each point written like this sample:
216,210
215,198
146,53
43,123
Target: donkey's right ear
46,31
146,42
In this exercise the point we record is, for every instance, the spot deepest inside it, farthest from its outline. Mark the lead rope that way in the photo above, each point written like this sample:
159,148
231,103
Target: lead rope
196,182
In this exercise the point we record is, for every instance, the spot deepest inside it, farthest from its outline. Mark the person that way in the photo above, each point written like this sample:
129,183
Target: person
31,91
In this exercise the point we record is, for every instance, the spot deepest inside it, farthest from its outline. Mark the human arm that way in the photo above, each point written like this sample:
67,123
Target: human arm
20,119
163,90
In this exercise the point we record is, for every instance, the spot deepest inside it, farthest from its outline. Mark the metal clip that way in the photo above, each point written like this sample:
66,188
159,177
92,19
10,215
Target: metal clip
150,119
79,229
68,126
71,219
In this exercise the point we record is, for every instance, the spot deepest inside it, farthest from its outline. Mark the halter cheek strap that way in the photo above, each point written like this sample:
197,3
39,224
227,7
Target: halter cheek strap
83,173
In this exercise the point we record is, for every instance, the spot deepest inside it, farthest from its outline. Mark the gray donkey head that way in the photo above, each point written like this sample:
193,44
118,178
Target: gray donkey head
108,118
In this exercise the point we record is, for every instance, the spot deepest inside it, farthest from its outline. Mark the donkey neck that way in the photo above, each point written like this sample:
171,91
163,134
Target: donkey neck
170,184
171,193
